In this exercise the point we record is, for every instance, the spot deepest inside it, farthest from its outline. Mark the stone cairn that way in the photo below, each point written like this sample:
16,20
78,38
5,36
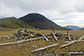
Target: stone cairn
22,34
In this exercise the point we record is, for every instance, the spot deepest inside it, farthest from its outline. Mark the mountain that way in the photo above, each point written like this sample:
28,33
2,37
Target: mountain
39,21
11,22
82,28
74,27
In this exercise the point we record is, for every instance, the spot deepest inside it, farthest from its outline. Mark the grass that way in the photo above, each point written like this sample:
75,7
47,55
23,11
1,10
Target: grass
27,47
8,32
12,22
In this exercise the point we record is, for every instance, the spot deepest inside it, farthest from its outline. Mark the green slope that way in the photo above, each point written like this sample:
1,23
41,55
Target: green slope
12,22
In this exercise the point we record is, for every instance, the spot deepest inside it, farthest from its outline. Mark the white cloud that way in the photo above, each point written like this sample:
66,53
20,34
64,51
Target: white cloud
59,11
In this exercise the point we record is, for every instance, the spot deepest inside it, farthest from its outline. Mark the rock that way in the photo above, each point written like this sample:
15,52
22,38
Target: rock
20,45
24,53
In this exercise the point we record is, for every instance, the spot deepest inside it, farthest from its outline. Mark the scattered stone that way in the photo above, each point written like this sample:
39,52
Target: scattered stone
24,53
20,45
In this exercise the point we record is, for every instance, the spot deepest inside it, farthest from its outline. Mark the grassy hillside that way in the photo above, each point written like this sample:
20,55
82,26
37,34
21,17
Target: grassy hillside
12,22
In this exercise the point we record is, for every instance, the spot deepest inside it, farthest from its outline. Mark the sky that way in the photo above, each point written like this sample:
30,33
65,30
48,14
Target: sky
62,12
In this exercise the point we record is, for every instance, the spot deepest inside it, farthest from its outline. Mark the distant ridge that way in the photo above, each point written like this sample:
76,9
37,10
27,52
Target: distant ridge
74,27
39,21
82,28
